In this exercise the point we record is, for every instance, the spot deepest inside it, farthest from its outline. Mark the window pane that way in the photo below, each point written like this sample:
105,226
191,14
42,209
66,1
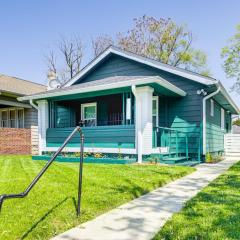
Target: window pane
154,110
20,118
4,122
12,116
90,112
4,115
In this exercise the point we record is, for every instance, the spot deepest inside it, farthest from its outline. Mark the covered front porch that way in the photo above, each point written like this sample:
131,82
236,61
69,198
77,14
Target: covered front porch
119,120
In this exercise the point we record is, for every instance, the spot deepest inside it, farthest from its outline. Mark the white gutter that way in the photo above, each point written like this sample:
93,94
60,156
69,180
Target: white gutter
204,116
138,123
33,104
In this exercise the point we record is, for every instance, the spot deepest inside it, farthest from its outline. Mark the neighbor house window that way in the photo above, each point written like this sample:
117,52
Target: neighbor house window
4,120
20,118
222,119
12,118
212,108
89,114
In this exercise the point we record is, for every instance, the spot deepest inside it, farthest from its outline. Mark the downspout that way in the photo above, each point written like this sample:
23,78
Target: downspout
204,116
138,124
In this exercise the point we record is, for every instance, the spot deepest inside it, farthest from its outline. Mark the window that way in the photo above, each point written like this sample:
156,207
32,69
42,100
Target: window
20,118
222,119
12,118
89,114
155,111
4,120
212,108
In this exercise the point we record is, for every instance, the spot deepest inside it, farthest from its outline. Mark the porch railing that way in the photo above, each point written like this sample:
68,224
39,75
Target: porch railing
174,141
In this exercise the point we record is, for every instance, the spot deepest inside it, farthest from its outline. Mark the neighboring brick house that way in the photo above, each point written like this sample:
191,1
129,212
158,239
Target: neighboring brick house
17,119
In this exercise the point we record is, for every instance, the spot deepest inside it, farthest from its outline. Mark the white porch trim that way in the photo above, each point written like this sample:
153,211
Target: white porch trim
143,123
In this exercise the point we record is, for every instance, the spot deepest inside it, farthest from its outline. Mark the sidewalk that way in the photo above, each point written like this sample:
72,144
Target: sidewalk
143,217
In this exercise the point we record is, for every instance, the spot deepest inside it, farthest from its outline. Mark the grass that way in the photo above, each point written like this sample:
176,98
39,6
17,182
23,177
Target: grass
51,206
213,214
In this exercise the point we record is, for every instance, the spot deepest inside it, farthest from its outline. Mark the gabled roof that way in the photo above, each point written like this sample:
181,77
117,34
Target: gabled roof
147,61
108,84
19,86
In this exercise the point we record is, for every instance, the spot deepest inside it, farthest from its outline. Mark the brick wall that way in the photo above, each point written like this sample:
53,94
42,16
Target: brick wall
15,141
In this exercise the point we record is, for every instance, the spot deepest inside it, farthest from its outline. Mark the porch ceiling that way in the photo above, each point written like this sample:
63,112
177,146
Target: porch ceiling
111,84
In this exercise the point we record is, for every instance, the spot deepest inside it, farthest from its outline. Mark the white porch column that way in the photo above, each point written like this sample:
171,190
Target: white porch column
143,97
43,118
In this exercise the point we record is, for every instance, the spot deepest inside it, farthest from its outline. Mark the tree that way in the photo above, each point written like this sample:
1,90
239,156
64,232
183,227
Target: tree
69,52
100,43
159,39
231,59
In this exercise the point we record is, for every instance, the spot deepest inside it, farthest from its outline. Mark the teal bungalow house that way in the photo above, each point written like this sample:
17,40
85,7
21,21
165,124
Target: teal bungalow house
130,105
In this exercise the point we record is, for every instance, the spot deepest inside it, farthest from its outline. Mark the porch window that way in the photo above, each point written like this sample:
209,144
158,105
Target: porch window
89,114
222,119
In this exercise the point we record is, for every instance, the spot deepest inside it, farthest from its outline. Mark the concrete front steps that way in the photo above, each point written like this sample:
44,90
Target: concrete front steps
176,160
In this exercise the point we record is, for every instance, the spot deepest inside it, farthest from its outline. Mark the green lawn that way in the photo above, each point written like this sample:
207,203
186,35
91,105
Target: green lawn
51,206
213,214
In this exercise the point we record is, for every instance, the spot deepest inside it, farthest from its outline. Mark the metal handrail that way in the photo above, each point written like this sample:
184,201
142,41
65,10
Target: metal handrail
35,180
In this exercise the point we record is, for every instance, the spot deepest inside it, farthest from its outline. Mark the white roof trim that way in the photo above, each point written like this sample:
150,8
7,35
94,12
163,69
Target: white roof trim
15,104
144,60
227,96
108,86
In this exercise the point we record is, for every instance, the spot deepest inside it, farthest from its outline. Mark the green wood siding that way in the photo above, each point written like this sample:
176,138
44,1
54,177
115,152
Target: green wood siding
102,136
184,113
214,133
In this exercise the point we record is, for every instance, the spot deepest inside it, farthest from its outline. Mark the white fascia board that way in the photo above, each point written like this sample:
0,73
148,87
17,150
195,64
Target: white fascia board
88,67
15,104
228,97
144,60
147,80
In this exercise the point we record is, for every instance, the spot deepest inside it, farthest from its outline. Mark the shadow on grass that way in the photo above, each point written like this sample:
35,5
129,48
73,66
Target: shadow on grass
47,214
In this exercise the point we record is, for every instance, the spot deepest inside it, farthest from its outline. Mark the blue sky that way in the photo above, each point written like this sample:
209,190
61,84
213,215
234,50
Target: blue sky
29,28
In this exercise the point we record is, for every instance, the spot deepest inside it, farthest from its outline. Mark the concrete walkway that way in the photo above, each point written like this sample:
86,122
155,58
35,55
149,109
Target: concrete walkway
143,217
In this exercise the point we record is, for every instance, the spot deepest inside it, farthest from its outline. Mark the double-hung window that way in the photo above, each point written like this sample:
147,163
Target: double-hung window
89,114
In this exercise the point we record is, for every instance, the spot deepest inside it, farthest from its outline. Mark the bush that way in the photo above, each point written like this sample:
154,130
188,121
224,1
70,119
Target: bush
213,158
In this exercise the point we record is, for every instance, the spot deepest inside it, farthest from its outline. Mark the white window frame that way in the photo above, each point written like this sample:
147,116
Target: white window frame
222,119
83,106
212,107
155,98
